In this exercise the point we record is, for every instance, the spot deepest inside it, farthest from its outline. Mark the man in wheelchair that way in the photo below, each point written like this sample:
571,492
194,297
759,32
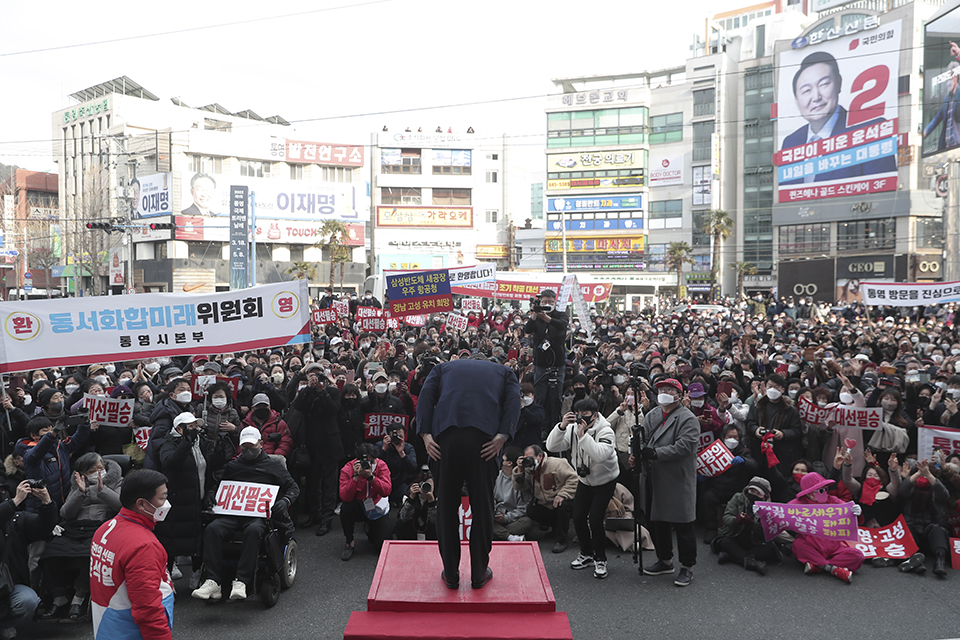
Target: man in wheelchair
252,465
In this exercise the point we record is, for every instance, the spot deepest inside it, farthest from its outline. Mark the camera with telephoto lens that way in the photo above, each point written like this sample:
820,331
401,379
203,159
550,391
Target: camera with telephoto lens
529,463
364,463
427,363
396,434
426,487
535,305
639,370
37,483
604,380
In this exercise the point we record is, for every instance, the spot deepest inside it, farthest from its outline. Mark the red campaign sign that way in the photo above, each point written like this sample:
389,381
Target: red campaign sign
393,323
110,412
891,541
250,499
954,524
376,425
930,438
955,553
471,304
812,413
415,321
369,312
457,321
714,460
374,325
342,307
200,384
344,155
323,316
705,439
142,436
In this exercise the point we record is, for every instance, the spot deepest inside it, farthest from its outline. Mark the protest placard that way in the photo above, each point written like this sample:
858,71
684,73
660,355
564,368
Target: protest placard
324,316
376,425
471,304
714,459
457,322
830,521
891,541
252,499
107,411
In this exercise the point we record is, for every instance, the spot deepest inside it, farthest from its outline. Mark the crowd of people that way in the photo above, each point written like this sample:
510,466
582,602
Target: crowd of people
333,422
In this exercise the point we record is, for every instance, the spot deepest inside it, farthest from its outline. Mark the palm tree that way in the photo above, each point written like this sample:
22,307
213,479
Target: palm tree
334,234
742,269
678,254
341,255
718,224
301,270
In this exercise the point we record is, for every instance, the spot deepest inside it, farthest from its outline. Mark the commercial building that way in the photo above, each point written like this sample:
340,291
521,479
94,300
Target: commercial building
160,173
31,227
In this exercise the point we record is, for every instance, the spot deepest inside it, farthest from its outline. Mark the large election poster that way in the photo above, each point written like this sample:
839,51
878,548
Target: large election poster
837,112
941,74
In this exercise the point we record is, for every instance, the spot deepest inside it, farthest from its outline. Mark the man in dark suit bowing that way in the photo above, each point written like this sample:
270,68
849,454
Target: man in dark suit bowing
466,410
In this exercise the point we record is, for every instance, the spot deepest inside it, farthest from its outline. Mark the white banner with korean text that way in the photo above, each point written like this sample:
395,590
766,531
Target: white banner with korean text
76,331
909,294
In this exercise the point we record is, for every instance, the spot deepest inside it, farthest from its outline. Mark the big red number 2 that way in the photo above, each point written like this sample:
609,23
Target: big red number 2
860,111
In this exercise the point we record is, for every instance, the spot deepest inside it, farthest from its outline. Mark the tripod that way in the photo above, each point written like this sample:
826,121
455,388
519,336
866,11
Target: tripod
638,440
552,402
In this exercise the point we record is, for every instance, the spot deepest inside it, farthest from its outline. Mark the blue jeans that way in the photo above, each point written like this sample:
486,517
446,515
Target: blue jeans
23,602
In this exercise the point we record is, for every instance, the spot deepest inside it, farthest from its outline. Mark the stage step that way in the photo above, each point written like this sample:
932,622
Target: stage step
383,625
408,579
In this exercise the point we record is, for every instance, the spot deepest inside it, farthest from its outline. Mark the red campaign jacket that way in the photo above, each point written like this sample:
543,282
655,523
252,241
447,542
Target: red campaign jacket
356,488
273,425
131,594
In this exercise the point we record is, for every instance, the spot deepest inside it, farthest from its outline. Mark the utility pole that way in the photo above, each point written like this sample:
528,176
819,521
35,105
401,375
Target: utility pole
951,225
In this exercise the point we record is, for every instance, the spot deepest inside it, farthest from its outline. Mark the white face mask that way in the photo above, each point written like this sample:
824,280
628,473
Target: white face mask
731,443
381,388
940,384
125,381
110,368
163,361
160,514
619,379
152,367
526,401
665,398
889,405
101,379
27,399
277,378
391,386
954,393
697,403
793,393
184,397
70,388
774,394
846,398
219,403
821,403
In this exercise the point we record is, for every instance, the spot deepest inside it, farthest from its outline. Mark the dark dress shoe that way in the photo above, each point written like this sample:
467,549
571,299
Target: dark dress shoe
559,547
54,612
324,529
487,577
75,614
451,584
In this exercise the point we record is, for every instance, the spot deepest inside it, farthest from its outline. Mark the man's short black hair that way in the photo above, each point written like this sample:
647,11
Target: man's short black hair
548,293
587,404
512,452
818,57
142,483
37,424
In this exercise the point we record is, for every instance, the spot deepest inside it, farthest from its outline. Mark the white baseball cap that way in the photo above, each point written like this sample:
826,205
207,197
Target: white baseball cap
184,418
250,434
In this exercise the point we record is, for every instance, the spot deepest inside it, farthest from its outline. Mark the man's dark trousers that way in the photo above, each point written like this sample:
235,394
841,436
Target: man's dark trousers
460,462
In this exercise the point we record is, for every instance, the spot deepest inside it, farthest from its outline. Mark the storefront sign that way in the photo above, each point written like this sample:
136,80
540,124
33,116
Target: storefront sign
625,182
343,155
87,110
596,161
418,216
598,203
909,294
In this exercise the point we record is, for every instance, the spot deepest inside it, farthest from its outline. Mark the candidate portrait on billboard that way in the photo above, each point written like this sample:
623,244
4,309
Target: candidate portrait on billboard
837,113
941,75
203,190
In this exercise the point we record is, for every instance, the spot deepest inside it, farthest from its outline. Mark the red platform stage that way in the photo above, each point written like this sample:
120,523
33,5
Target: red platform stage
407,599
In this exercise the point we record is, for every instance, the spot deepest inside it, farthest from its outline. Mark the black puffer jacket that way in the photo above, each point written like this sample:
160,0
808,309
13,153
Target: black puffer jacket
162,420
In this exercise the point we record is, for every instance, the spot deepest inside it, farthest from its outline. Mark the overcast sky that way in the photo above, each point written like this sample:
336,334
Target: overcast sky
334,59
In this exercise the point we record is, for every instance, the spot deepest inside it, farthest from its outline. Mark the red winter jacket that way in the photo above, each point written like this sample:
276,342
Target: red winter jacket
273,424
356,488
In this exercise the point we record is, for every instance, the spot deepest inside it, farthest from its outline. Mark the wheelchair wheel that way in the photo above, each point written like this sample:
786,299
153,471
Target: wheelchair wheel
288,575
270,590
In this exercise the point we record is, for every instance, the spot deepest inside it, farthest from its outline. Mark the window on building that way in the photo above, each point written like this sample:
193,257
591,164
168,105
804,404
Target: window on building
296,172
597,127
866,235
666,214
704,102
492,216
700,237
207,164
666,128
217,125
452,162
701,263
656,257
492,176
760,46
400,161
804,239
255,168
495,156
451,197
929,233
702,137
337,174
398,195
296,252
204,250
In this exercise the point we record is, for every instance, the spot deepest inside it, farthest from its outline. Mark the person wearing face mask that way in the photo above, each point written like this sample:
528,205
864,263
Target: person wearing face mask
14,421
401,459
510,520
179,400
99,373
379,400
252,465
696,401
277,441
577,392
740,539
108,440
47,457
552,482
326,424
136,599
774,422
717,490
591,441
820,554
668,480
893,434
876,489
532,426
548,328
94,498
926,501
221,418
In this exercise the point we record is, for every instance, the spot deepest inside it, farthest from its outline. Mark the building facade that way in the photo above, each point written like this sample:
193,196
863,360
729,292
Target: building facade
32,241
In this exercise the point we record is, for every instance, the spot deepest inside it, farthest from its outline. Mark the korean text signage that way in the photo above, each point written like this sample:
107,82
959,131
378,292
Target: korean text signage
592,293
909,294
377,425
595,97
152,195
77,331
714,460
666,171
492,251
837,116
419,293
841,415
109,412
342,155
251,499
88,110
239,230
830,521
595,161
433,217
598,203
892,541
623,182
625,244
944,439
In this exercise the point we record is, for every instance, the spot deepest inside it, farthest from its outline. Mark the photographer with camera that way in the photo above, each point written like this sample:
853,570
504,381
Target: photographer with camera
401,459
553,483
379,399
549,330
774,428
365,492
418,515
46,457
594,456
510,521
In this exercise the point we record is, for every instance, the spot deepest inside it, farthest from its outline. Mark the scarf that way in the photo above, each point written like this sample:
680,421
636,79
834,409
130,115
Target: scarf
766,445
198,459
871,486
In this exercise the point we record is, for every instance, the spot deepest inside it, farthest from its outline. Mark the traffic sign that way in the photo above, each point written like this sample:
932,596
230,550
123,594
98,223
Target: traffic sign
131,290
12,253
28,287
27,275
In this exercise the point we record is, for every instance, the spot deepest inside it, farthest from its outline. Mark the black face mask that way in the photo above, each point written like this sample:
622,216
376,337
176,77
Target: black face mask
295,368
250,454
579,392
922,401
56,407
262,413
350,403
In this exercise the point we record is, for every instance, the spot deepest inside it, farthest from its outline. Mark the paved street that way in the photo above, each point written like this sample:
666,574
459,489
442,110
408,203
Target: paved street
722,602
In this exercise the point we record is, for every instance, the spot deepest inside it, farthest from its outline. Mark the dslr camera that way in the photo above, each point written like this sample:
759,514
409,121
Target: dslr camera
37,483
364,463
427,363
529,463
536,306
425,477
583,470
395,434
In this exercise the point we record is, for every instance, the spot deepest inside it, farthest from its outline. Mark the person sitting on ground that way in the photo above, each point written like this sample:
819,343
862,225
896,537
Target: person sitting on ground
716,491
553,483
925,503
740,539
510,520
